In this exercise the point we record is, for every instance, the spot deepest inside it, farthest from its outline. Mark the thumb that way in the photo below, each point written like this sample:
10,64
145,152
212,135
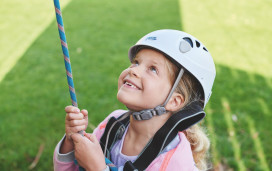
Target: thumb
76,137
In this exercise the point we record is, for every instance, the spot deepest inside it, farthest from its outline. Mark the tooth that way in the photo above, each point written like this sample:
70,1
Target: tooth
130,84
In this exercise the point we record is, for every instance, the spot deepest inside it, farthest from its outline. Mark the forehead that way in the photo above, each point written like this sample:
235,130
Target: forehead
152,56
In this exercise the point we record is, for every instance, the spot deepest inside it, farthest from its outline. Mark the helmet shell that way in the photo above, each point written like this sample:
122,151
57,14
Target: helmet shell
186,50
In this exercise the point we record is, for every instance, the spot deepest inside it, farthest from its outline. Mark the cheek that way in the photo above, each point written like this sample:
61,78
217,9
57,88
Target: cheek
160,89
121,78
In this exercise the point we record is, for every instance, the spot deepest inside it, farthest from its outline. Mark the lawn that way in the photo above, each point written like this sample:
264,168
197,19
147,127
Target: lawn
33,84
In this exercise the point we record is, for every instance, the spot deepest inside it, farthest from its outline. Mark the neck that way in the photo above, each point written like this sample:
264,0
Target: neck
148,128
140,133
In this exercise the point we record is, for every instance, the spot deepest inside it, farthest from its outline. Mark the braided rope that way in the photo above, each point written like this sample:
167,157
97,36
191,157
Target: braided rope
65,52
67,62
68,68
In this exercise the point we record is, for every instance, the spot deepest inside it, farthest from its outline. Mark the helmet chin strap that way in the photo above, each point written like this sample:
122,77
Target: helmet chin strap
159,110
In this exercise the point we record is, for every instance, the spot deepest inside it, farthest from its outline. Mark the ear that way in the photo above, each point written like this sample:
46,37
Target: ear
175,103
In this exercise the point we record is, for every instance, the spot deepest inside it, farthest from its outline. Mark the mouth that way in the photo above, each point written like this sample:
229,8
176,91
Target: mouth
130,84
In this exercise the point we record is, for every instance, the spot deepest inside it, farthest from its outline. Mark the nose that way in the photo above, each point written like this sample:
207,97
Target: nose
134,72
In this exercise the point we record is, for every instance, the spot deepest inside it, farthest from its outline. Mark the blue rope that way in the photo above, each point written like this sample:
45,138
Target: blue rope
68,68
65,52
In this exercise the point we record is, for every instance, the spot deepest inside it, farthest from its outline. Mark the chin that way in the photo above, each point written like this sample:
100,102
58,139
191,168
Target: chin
127,103
121,98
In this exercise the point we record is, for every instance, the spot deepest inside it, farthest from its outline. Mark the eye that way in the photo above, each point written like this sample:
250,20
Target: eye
154,69
134,63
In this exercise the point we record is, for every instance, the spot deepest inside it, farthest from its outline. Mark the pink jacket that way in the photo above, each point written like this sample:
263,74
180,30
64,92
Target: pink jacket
178,159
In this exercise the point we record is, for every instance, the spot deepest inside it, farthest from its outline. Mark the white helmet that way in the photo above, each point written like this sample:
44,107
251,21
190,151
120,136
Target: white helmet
185,50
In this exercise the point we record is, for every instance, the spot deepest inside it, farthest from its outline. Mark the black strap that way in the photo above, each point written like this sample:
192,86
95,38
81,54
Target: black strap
180,121
115,128
129,167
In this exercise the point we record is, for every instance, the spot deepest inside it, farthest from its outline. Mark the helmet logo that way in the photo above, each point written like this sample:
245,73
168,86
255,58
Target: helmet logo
151,38
184,46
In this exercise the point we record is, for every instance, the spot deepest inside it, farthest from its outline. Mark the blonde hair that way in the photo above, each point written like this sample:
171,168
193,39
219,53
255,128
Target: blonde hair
191,91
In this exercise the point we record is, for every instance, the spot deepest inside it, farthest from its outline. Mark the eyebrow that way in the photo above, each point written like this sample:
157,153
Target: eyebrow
153,61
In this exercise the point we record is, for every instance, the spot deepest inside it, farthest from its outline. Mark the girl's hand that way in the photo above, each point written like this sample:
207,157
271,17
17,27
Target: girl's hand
88,152
75,121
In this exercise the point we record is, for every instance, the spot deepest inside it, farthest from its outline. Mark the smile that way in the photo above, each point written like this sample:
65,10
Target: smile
131,85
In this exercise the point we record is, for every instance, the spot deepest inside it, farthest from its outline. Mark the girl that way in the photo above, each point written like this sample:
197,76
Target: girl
165,89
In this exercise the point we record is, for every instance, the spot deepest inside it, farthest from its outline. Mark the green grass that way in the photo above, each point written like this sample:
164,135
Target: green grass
21,24
34,92
237,31
237,34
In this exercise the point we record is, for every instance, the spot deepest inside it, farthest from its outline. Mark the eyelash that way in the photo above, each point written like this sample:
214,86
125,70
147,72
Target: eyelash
134,63
151,68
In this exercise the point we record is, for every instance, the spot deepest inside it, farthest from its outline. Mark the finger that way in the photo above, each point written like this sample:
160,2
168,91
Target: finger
87,135
73,123
92,138
95,140
74,116
69,135
76,129
84,112
71,109
76,137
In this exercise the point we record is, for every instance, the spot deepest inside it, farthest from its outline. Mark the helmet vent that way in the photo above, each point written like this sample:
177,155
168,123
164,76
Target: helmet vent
187,39
197,44
205,49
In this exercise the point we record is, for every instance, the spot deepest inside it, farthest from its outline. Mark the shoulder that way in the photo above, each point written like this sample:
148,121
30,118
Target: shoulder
182,156
179,158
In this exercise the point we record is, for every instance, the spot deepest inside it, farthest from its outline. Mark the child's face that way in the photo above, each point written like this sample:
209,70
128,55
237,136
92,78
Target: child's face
146,83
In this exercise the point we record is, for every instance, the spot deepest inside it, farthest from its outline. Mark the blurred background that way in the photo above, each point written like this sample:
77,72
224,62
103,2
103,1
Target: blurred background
33,85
